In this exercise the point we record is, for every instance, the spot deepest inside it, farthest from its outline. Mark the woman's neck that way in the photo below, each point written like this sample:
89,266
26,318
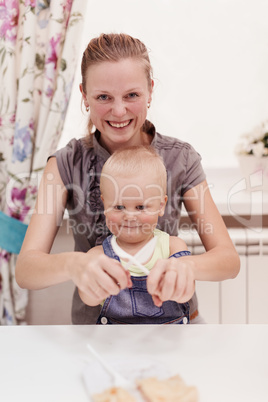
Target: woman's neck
143,139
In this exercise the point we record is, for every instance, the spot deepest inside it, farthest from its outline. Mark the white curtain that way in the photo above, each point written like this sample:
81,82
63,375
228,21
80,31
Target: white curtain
39,48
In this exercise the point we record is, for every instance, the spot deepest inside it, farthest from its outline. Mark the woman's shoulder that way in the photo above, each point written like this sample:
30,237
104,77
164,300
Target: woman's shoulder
168,143
74,157
75,147
177,154
164,142
76,152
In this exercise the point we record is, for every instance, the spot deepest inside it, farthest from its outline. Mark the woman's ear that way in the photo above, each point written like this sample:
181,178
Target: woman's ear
84,97
83,93
151,91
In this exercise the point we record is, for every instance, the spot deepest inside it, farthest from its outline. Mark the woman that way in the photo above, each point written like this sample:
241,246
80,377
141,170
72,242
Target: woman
117,88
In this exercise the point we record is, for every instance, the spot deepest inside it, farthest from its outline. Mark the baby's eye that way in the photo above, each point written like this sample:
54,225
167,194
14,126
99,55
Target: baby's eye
119,207
140,207
103,97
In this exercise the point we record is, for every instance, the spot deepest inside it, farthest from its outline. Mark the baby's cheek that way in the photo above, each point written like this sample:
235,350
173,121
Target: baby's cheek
112,221
150,217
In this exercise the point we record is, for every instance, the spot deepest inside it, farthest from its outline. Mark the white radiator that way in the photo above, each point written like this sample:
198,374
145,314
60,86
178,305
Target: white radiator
244,299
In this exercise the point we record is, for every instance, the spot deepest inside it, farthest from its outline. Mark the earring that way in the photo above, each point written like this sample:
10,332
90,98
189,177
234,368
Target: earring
87,108
148,105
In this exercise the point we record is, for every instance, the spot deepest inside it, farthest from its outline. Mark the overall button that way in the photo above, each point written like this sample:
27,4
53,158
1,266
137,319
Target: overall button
185,320
104,320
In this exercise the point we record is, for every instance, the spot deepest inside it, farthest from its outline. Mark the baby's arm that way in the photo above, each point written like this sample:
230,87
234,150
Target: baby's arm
107,277
176,244
172,279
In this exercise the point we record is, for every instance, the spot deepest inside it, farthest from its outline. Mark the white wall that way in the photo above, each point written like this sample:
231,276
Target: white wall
210,61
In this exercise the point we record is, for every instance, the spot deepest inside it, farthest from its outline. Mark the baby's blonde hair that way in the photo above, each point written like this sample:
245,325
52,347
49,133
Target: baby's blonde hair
134,160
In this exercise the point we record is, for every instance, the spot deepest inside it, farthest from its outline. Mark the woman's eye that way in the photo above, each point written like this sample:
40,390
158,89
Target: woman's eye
132,95
103,97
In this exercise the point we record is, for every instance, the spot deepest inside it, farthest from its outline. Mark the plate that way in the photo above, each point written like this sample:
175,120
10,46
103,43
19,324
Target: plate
96,379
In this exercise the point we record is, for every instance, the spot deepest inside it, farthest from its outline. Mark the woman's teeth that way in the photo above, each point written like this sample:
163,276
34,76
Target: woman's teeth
119,125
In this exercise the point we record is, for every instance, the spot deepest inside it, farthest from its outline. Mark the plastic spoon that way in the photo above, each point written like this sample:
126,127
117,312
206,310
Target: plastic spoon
118,379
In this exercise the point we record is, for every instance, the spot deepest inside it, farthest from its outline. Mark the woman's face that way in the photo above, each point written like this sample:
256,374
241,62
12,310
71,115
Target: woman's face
118,95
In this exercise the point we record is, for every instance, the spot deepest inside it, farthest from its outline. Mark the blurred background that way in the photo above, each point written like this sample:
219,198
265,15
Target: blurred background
210,63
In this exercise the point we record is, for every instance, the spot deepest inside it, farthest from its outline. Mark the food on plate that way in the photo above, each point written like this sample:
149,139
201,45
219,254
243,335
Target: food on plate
152,389
114,394
172,389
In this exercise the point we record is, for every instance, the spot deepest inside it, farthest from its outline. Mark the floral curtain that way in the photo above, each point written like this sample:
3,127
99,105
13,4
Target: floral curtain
39,46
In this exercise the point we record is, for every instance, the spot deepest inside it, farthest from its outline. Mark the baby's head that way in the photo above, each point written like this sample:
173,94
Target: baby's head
139,160
133,188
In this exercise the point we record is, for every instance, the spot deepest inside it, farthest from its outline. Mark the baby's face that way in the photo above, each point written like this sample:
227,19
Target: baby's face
132,207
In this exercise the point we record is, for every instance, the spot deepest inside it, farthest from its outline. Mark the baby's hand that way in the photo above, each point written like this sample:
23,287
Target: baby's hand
171,279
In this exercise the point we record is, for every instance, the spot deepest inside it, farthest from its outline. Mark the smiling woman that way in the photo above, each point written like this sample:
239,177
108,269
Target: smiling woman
117,88
118,111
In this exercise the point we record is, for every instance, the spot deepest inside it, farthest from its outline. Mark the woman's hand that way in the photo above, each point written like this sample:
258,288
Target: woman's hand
98,276
171,279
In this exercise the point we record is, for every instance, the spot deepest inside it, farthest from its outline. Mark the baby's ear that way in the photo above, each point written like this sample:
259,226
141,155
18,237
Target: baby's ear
163,206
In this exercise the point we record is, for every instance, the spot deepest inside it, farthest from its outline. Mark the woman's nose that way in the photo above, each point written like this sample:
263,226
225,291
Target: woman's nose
119,109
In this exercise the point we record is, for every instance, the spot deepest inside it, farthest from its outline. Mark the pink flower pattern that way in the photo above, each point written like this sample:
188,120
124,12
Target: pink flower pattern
17,208
52,59
39,76
30,3
9,16
67,10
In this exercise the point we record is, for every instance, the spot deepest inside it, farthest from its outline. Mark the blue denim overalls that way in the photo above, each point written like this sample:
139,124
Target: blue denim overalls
136,306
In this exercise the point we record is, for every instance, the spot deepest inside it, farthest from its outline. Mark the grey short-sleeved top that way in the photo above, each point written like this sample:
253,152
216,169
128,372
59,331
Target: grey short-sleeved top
80,168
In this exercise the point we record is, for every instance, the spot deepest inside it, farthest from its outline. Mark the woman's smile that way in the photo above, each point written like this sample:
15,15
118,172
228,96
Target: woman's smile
119,124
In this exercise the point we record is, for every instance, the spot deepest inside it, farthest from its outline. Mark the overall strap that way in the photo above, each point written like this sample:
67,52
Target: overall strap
108,250
181,254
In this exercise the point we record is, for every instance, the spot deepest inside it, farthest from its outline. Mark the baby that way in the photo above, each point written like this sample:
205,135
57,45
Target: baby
133,191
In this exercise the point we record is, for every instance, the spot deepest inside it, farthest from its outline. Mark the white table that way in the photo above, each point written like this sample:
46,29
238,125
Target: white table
44,363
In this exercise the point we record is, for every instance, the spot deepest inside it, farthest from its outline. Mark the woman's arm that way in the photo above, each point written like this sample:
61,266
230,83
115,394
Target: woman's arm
36,268
221,260
101,284
174,279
